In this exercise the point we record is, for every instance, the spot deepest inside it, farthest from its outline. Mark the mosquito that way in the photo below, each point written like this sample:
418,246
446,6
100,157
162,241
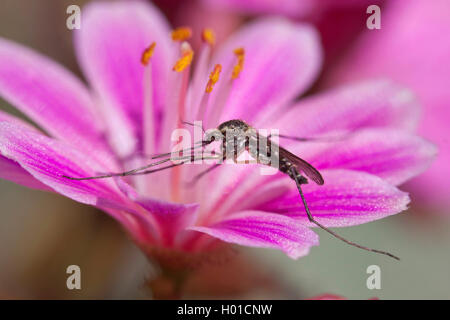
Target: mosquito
236,137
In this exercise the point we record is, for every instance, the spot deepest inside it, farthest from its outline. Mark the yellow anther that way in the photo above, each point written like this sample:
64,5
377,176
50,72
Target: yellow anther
148,53
208,36
213,78
187,54
181,34
240,54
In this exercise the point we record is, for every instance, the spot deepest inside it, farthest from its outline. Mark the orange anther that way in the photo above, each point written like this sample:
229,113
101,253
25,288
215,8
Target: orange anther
213,78
187,54
240,54
181,34
208,36
147,54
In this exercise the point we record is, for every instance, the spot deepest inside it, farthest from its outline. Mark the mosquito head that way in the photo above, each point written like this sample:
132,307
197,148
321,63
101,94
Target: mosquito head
213,135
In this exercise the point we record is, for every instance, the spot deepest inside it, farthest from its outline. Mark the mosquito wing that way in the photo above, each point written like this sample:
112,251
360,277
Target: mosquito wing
303,166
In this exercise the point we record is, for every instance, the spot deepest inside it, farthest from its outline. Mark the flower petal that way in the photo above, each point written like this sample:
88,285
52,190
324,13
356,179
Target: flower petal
109,48
266,230
169,219
393,155
51,96
172,218
11,170
374,103
282,59
47,160
347,198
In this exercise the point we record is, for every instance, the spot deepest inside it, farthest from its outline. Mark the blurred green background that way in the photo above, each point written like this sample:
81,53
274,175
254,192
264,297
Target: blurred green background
41,234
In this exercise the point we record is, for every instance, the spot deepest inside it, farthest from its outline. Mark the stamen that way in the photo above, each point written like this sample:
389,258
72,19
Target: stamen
148,135
181,34
183,67
187,54
240,54
208,36
213,78
148,53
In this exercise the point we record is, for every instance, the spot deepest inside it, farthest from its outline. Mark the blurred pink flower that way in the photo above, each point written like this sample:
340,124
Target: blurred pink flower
290,8
339,22
133,109
328,296
412,48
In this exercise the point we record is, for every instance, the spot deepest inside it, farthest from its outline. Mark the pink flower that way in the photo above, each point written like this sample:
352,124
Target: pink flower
290,8
328,296
131,109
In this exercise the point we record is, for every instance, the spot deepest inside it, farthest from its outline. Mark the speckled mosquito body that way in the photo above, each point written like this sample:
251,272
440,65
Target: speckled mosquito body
236,137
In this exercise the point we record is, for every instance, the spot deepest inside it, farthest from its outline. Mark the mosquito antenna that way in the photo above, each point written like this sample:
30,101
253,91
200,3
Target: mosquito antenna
311,219
193,124
200,144
307,139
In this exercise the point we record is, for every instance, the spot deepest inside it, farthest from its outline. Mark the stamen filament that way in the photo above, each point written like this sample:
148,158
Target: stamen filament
183,66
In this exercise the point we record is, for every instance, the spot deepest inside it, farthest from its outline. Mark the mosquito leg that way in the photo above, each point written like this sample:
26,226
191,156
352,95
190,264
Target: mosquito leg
311,219
119,174
159,169
129,172
167,167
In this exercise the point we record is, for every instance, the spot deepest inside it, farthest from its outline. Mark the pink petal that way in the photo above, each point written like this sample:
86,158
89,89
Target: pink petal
416,57
14,120
48,160
393,155
347,198
376,103
11,170
51,96
109,48
266,230
169,219
172,218
282,59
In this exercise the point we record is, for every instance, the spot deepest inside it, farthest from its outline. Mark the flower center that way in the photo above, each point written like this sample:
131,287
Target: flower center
199,88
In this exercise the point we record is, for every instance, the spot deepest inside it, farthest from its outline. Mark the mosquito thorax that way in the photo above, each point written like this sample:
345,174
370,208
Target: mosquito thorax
233,125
